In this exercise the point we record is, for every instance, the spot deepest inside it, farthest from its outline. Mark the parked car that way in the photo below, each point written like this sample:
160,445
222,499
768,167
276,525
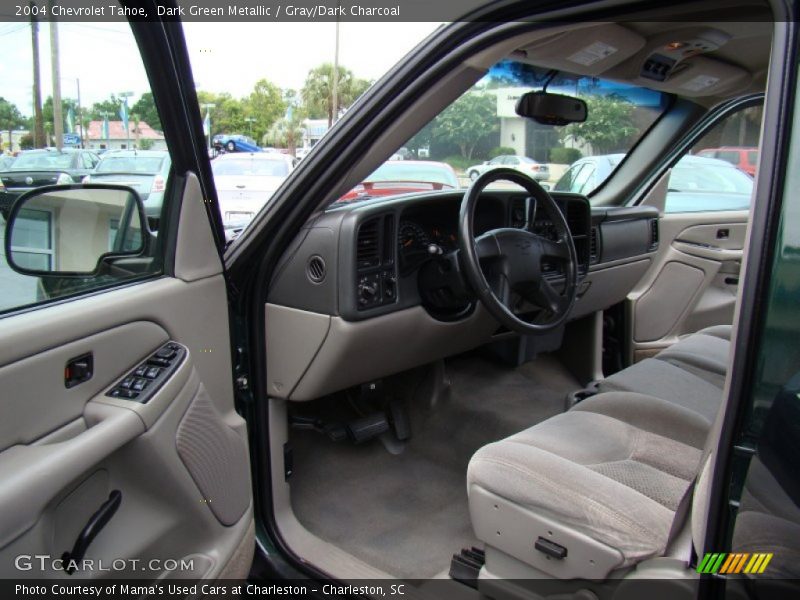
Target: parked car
245,182
234,143
743,157
536,170
696,184
146,171
404,176
6,161
35,168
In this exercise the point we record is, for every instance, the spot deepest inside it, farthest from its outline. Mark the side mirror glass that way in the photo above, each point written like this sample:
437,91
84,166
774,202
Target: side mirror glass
551,109
74,230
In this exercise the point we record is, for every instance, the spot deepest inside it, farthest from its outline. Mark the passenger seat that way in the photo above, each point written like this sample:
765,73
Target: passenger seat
690,373
607,484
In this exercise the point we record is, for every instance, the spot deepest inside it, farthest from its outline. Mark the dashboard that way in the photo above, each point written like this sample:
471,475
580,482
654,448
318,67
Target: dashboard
371,288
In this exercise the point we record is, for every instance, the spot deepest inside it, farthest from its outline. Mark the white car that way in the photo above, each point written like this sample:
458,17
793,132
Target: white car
245,181
531,168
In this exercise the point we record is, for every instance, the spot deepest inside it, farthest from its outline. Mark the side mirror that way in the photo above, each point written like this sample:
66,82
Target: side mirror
74,230
551,109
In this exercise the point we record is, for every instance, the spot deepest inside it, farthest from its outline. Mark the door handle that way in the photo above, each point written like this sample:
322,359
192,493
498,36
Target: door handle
94,526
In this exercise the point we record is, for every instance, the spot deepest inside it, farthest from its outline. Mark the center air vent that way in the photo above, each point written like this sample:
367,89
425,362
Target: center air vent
367,249
316,269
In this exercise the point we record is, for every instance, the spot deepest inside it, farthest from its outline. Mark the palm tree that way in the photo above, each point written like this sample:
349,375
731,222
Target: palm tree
286,133
317,92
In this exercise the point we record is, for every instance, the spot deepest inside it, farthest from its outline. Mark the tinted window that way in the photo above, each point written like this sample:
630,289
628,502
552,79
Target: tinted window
246,168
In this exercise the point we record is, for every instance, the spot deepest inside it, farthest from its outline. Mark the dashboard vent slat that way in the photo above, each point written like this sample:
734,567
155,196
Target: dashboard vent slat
316,269
594,250
367,248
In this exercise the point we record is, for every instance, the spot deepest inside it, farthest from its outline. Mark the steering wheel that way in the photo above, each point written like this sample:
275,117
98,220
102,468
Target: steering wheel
512,258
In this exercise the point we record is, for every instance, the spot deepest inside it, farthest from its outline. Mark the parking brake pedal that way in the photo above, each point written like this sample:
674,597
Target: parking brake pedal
367,428
466,566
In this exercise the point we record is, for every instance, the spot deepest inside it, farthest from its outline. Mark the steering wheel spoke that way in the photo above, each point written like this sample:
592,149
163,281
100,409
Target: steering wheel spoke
554,249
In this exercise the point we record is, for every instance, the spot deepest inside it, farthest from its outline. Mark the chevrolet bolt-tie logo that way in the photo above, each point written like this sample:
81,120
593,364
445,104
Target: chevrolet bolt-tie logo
726,563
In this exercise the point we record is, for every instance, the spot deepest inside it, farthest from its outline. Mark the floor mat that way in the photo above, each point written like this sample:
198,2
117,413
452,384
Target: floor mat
407,514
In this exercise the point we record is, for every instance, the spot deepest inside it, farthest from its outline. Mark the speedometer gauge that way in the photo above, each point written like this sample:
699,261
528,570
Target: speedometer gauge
412,236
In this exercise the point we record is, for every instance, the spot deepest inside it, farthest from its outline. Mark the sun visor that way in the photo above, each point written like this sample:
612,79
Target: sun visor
587,51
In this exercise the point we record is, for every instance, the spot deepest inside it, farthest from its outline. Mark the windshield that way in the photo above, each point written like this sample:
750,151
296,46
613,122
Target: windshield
250,167
146,165
481,131
42,160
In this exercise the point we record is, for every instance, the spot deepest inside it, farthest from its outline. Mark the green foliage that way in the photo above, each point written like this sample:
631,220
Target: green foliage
26,142
609,125
467,121
266,105
317,92
502,151
286,133
145,143
98,110
565,156
458,162
10,118
145,107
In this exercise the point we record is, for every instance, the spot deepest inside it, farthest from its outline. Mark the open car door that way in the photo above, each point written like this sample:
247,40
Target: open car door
121,452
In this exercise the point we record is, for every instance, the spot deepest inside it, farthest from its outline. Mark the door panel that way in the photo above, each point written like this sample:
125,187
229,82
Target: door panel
692,282
180,461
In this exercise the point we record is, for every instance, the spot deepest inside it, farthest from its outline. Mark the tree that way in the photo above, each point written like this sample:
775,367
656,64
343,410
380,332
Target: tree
467,121
317,92
145,107
265,104
228,113
286,133
10,118
609,126
109,107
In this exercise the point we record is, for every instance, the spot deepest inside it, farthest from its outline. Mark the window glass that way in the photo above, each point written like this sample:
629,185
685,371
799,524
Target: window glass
483,123
714,175
101,106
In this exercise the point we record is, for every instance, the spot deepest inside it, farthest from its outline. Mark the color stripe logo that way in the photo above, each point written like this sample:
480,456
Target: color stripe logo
727,563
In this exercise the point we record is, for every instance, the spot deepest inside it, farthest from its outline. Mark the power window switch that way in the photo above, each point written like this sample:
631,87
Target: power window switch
127,382
140,384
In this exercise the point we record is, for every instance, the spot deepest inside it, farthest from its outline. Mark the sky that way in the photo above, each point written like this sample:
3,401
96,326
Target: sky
226,57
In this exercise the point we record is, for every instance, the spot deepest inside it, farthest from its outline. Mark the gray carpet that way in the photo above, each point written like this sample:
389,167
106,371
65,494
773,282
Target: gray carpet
407,514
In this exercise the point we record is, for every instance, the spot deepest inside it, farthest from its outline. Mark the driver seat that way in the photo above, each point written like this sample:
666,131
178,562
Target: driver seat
590,491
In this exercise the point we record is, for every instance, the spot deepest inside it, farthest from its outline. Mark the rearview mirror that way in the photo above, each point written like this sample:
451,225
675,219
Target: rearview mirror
551,109
74,230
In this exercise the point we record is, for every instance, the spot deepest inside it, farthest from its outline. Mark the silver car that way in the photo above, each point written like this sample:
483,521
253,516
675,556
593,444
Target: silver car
536,170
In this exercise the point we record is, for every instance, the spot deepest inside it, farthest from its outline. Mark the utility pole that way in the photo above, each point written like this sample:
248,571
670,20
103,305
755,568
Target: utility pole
125,115
38,125
250,121
335,76
80,111
58,117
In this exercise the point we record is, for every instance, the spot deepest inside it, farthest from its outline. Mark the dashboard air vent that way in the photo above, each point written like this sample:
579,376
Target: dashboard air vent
594,249
653,234
367,248
577,218
316,269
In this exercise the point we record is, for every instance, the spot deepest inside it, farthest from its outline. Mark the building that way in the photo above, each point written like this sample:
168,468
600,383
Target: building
118,140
